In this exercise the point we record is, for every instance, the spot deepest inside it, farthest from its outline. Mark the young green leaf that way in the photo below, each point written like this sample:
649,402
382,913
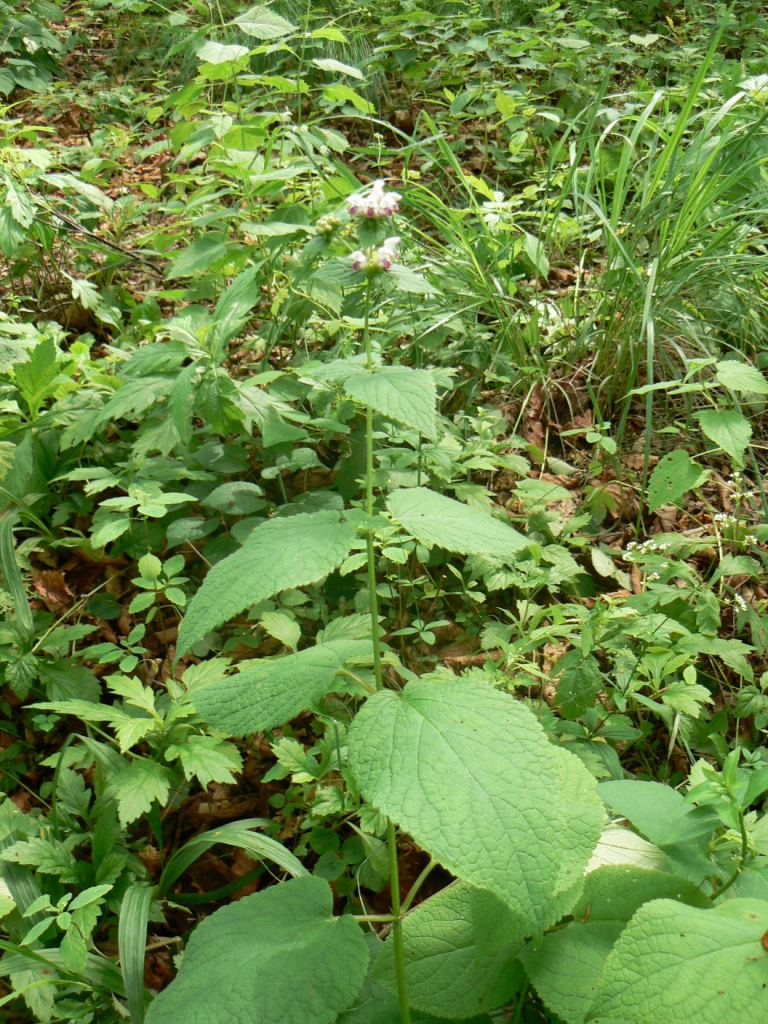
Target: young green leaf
400,393
434,519
728,429
138,786
282,553
683,964
470,774
277,957
206,758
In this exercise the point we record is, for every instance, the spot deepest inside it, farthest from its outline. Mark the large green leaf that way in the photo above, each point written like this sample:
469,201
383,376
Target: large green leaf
262,23
460,953
272,691
288,552
378,1005
470,774
398,392
566,967
738,376
276,957
664,817
434,519
676,964
728,429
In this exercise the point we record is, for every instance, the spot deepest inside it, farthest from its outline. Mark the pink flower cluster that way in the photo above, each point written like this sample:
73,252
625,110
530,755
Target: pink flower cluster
376,259
378,203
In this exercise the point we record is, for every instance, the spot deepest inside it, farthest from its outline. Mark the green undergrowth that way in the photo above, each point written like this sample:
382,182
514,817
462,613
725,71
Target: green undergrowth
382,513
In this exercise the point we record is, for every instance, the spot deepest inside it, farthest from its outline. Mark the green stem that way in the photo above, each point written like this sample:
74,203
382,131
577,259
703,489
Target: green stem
373,597
742,856
394,879
413,891
521,999
397,926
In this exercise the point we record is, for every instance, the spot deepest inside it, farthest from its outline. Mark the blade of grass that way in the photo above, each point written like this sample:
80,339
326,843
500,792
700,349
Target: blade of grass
131,943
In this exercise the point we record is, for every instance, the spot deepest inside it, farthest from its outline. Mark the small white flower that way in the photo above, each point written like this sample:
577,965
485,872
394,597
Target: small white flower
359,260
387,253
377,203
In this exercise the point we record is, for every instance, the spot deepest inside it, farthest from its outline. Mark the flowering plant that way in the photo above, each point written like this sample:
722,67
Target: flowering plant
376,204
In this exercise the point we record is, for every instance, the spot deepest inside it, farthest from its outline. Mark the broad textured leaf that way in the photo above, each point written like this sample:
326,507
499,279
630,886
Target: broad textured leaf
566,967
460,953
728,429
674,476
398,392
470,774
288,552
378,1005
738,376
220,53
262,23
677,964
270,692
434,519
276,957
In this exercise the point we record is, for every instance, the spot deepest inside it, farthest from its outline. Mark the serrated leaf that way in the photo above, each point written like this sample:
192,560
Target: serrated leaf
728,429
329,64
283,553
680,963
276,957
220,53
181,401
580,682
272,691
469,773
400,393
741,377
460,952
48,856
282,627
138,786
207,759
434,519
236,497
262,23
674,476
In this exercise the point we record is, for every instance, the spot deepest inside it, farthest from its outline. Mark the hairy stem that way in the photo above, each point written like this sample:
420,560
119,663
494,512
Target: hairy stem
397,926
394,879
